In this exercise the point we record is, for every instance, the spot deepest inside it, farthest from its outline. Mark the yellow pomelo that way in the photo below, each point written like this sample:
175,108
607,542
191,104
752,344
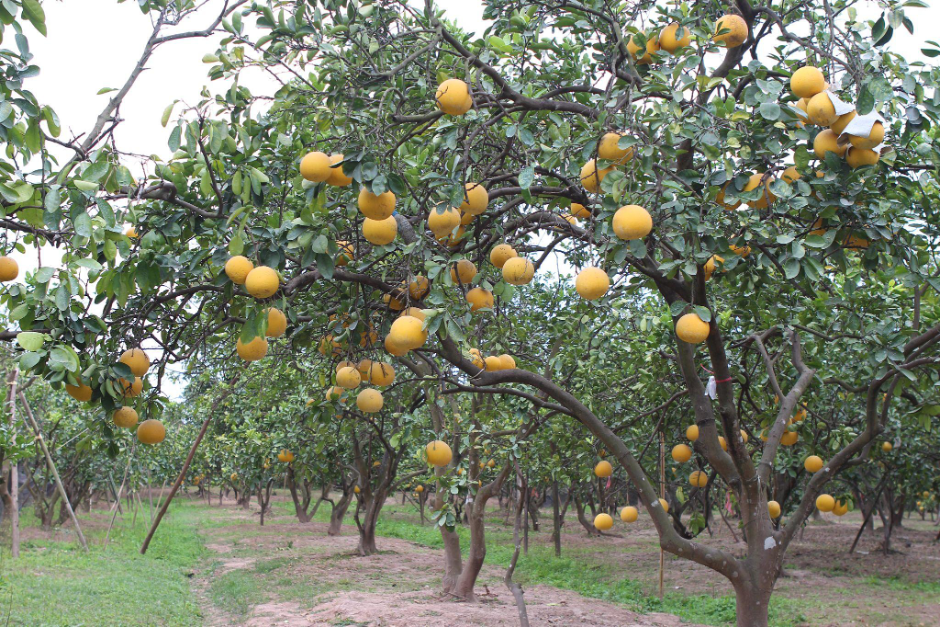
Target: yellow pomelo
381,374
337,178
80,392
692,433
348,378
592,283
419,288
479,298
453,97
254,350
463,271
518,271
731,31
859,157
369,401
698,479
709,267
476,358
501,253
766,197
651,46
674,37
376,206
813,463
262,282
628,514
603,522
681,453
237,268
493,363
345,254
876,135
125,417
608,149
438,453
790,174
406,332
151,432
580,211
808,81
691,329
9,269
604,469
632,222
380,232
820,110
131,389
414,312
442,223
591,176
826,141
475,199
507,362
315,166
277,323
136,360
825,503
774,509
841,122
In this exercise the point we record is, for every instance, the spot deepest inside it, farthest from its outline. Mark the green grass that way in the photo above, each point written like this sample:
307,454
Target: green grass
55,583
232,591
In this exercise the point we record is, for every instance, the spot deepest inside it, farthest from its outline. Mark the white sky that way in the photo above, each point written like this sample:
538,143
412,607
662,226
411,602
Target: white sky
95,43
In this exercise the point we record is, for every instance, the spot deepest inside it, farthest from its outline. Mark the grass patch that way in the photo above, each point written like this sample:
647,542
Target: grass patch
54,582
234,591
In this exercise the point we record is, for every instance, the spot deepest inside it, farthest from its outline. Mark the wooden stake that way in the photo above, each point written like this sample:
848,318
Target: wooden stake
117,499
663,496
52,467
186,464
14,472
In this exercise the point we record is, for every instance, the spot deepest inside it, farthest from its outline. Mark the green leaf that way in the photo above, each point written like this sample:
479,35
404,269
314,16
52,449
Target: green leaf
770,110
30,340
32,10
165,118
82,224
499,45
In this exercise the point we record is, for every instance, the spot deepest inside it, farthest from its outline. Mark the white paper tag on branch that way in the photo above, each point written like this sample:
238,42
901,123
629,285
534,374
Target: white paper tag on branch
840,107
711,388
861,126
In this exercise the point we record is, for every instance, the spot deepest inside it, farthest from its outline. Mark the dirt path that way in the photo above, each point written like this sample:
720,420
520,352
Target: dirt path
297,575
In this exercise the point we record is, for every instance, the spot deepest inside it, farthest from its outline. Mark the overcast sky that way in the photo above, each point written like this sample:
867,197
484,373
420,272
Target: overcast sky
93,44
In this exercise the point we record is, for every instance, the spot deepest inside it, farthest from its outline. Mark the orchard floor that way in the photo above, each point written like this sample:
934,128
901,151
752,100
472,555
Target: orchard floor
214,565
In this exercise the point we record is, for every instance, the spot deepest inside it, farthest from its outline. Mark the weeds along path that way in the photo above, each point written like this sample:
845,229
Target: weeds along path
287,573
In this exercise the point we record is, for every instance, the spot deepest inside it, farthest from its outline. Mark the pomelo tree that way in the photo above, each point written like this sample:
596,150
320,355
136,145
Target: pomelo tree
718,170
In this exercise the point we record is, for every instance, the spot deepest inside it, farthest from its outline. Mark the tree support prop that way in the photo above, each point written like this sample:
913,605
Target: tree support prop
52,467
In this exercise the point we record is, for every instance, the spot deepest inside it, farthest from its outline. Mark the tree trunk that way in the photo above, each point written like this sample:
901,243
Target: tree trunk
556,522
580,513
338,512
751,606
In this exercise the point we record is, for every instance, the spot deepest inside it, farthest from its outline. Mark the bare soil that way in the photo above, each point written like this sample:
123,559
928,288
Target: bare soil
397,587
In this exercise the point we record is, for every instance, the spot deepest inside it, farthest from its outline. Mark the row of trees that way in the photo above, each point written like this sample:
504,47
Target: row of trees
810,309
